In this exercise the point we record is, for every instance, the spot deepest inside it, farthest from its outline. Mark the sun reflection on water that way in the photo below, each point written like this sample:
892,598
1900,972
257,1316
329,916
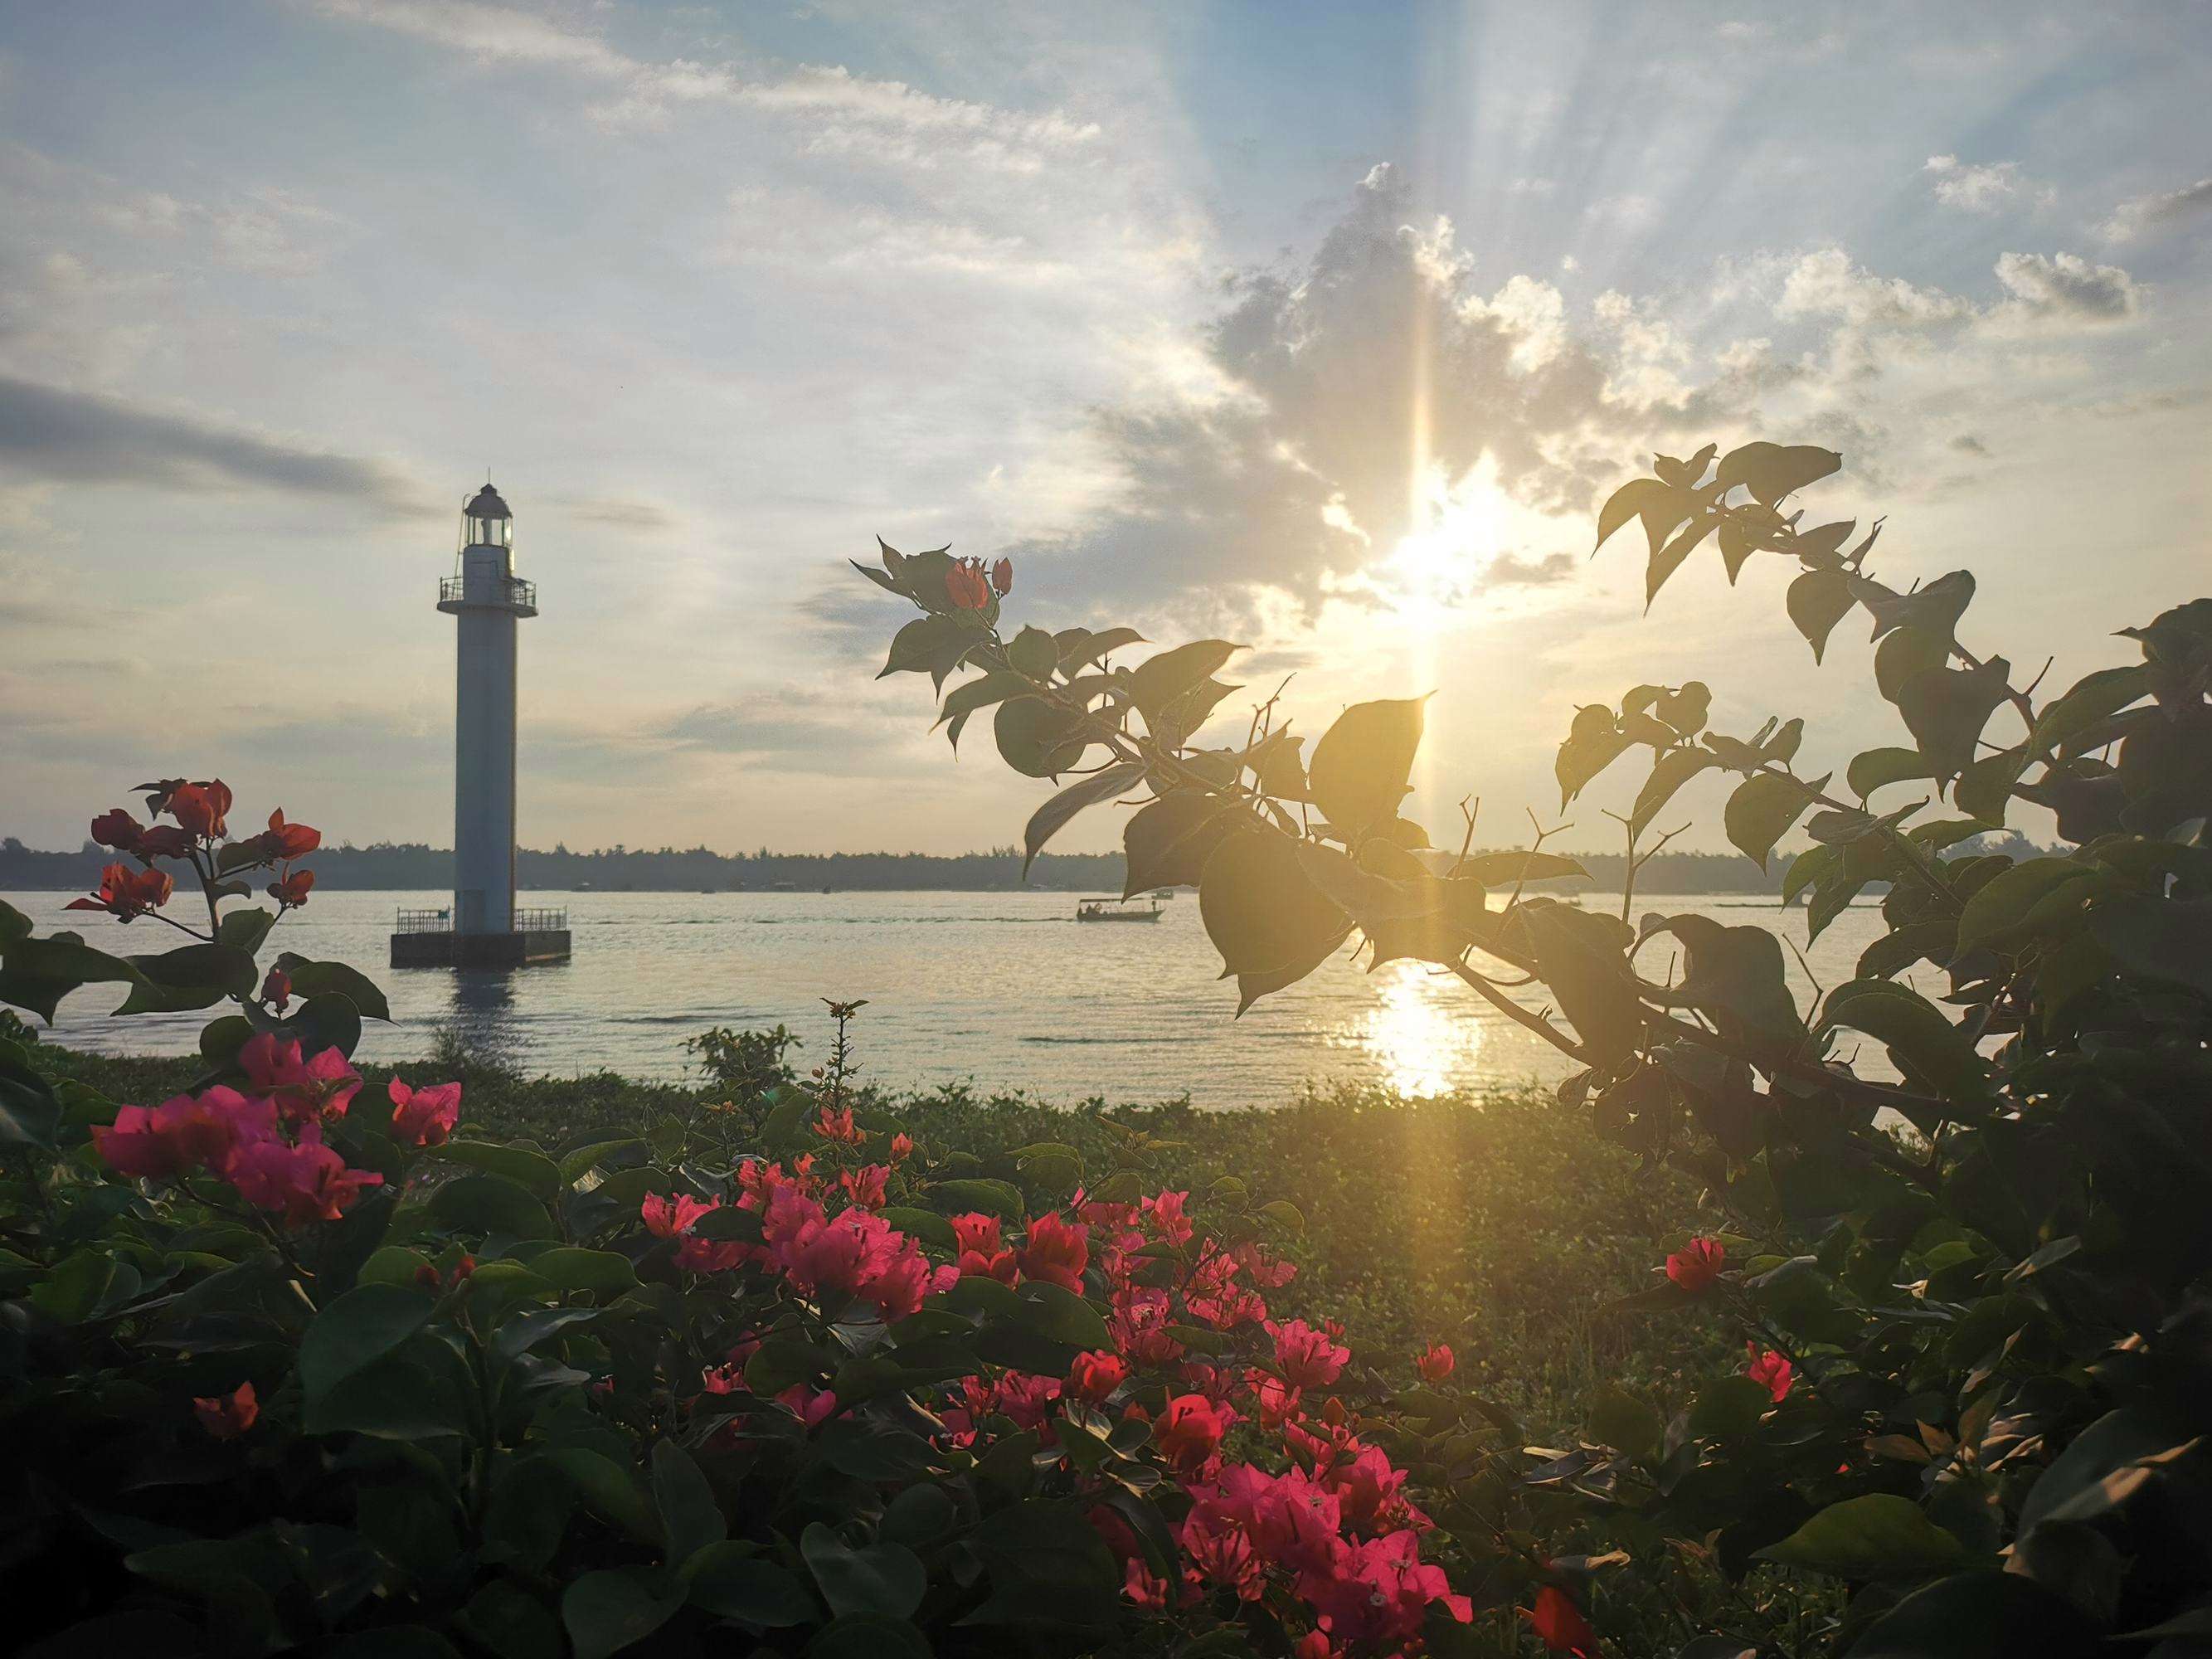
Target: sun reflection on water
1418,1032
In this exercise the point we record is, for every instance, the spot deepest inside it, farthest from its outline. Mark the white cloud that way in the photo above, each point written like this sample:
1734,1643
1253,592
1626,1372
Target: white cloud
1982,188
2066,289
2144,214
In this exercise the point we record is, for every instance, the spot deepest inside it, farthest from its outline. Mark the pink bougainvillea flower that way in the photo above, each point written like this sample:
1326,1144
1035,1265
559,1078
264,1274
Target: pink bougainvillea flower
1770,1371
322,1087
200,809
183,1133
1188,1432
1697,1264
966,585
1146,1590
116,828
289,840
1164,1211
227,1416
722,1379
1378,1591
810,1406
1094,1377
1002,577
1435,1363
425,1117
671,1215
710,1255
291,889
305,1182
1057,1251
1308,1359
1559,1624
1222,1556
865,1186
839,1125
1315,1645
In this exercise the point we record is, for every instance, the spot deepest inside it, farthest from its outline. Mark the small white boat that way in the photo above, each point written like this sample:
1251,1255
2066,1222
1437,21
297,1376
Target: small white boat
1115,909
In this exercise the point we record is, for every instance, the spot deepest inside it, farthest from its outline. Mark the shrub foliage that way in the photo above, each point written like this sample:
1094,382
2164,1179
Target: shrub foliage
1978,1373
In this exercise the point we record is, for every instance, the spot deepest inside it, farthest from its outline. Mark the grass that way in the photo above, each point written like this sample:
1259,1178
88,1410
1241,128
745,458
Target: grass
1499,1222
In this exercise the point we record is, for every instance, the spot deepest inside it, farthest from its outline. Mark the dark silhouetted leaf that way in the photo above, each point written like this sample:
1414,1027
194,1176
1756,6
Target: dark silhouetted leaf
1360,766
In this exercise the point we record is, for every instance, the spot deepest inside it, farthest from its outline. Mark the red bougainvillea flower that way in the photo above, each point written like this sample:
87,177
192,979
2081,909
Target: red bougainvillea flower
1094,1377
1145,1588
200,809
1770,1371
1378,1591
839,1125
227,1416
966,586
722,1379
116,828
125,892
276,989
1222,1556
1308,1359
1697,1264
1559,1624
1434,1363
306,1182
1188,1432
710,1255
289,840
1057,1251
671,1215
1002,577
291,889
902,1147
1164,1212
1315,1644
183,1133
423,1117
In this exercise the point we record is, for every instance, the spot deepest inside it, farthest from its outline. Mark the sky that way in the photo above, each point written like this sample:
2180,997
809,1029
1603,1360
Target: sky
1322,328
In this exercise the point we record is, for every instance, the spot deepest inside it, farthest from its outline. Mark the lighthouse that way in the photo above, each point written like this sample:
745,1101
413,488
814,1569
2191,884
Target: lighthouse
487,600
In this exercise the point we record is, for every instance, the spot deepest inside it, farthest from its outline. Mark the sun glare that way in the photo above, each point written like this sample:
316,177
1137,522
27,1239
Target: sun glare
1417,1032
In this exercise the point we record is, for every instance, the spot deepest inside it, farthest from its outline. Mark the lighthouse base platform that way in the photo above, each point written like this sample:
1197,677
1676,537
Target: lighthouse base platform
451,949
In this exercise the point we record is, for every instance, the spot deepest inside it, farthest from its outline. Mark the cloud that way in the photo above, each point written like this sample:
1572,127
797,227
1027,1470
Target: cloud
51,433
878,121
795,731
2144,214
1509,570
619,515
1981,187
2066,288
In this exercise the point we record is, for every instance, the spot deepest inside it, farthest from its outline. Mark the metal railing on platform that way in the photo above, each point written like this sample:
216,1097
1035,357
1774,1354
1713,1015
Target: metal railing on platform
441,921
453,590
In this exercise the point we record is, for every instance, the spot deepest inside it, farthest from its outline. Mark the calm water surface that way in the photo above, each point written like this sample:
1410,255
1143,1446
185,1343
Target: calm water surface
1002,988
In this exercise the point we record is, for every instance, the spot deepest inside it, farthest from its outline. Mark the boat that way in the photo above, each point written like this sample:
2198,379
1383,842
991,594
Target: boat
1163,894
1116,909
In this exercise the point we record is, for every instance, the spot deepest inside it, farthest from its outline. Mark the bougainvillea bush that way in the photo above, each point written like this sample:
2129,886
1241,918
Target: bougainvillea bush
1974,1396
291,1364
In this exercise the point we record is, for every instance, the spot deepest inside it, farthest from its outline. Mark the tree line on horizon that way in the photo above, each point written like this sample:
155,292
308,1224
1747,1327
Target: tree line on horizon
412,866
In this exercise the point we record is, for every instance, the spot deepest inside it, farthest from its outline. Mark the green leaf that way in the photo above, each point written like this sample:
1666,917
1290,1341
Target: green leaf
30,1111
1981,1615
1817,601
1359,768
39,972
689,1513
869,1636
1033,653
491,1203
1049,818
312,979
571,1271
883,1578
970,695
1076,654
1879,1535
1165,843
529,1170
932,645
1918,1037
366,1323
1946,708
729,1581
2003,901
1271,924
244,930
1871,770
1771,471
1660,504
72,1291
1729,1407
1736,974
610,1489
609,1610
1936,941
1906,653
1054,1312
1165,678
331,1020
190,977
1506,870
1036,740
1672,770
580,1162
1761,810
996,1198
221,1039
2090,698
1618,1418
2168,940
1666,561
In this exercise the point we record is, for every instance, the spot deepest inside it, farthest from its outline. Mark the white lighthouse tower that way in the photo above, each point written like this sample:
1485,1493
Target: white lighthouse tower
487,600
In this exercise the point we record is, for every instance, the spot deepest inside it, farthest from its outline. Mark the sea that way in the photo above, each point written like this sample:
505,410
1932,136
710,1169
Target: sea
1002,991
